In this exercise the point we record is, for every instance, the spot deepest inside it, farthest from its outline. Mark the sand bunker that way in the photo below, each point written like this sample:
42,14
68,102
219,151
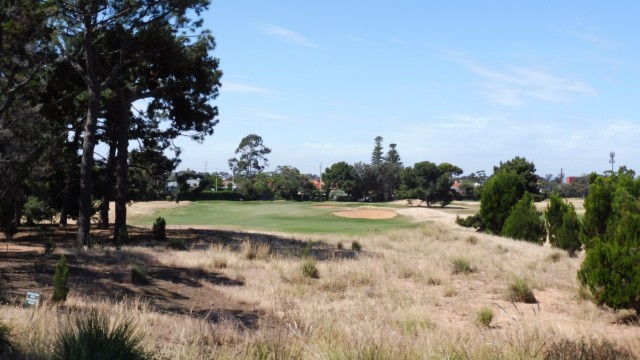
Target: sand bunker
375,214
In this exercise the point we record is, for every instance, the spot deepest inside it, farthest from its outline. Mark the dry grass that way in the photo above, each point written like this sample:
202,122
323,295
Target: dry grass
397,299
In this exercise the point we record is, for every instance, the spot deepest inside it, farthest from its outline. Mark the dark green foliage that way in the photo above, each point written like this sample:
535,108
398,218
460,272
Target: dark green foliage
563,225
289,184
611,269
37,210
597,207
474,221
376,154
526,170
501,192
356,246
523,222
60,280
429,182
586,350
339,176
252,156
159,229
94,336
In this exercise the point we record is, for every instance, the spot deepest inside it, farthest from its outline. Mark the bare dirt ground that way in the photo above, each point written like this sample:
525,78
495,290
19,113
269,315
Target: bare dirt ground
373,214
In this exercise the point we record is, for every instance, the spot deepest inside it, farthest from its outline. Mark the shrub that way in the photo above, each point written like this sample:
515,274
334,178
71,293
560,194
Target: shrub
60,279
49,246
158,229
355,246
339,246
519,291
309,269
585,350
611,269
139,275
37,210
501,192
176,244
473,221
523,222
461,266
94,336
563,226
484,317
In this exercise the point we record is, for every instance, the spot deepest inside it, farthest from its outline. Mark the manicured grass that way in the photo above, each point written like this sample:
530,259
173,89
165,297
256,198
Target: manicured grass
283,216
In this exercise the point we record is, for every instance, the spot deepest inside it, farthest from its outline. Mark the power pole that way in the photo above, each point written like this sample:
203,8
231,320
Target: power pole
612,156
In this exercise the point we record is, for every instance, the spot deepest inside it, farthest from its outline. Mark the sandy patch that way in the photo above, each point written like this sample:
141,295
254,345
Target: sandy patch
374,214
145,208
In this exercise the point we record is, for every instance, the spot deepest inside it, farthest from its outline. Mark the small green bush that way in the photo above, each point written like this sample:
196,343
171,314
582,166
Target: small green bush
60,280
94,336
339,245
473,221
176,244
461,266
484,317
309,269
519,291
139,275
49,246
355,246
563,225
586,350
159,229
523,222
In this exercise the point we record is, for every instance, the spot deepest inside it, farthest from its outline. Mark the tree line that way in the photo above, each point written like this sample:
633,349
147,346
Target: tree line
72,75
384,178
608,233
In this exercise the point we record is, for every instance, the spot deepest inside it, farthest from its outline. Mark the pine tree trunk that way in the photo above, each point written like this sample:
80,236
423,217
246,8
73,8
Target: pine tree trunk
86,166
122,171
107,188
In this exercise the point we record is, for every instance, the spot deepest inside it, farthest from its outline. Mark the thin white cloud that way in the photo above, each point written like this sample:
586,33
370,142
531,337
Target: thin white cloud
596,40
245,88
516,85
288,35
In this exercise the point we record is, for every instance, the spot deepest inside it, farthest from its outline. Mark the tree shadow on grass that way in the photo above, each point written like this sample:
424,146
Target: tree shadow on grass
281,246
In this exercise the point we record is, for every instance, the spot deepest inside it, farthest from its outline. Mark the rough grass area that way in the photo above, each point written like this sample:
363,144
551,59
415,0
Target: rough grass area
237,295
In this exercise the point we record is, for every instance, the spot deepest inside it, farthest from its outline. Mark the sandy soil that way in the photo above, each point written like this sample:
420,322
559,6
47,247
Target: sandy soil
374,214
145,208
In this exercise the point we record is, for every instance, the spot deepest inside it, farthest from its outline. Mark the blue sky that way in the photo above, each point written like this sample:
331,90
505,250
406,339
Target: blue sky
472,83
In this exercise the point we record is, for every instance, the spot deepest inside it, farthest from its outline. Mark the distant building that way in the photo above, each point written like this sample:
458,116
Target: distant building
571,179
318,184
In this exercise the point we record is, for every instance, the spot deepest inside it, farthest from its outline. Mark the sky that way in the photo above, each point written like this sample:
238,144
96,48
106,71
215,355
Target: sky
470,83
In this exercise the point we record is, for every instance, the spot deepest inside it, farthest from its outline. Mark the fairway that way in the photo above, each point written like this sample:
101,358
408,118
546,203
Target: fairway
280,216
